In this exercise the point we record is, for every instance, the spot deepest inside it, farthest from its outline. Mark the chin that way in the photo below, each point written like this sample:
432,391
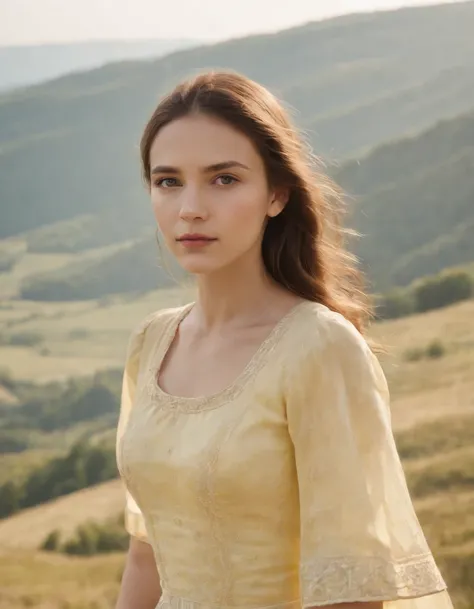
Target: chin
196,266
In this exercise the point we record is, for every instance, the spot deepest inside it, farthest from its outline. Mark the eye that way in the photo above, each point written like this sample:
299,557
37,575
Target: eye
226,180
166,183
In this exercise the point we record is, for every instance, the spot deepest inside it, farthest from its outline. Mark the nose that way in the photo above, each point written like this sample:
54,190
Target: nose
193,206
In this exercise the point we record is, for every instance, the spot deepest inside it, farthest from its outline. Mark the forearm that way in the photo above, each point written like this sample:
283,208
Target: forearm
140,588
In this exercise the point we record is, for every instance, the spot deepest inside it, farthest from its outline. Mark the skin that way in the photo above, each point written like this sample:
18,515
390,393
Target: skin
140,588
208,178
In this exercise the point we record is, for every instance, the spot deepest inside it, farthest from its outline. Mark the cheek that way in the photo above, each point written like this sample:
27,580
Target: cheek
164,215
248,208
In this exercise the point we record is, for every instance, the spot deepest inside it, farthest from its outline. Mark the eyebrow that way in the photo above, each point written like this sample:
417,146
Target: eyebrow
209,169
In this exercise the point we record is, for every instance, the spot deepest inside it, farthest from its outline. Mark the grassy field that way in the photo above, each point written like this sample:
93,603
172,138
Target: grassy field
30,264
429,387
433,416
28,529
72,339
16,466
54,582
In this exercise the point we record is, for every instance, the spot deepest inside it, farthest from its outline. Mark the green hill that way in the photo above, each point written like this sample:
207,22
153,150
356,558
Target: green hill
413,201
68,147
432,414
105,274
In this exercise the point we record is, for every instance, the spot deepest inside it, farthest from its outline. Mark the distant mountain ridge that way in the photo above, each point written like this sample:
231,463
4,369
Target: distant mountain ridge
25,65
367,87
414,203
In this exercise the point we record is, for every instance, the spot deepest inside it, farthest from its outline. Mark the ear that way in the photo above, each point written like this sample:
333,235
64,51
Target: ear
278,201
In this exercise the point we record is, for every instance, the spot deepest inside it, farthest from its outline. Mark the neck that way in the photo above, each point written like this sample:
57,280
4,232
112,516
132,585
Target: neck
241,293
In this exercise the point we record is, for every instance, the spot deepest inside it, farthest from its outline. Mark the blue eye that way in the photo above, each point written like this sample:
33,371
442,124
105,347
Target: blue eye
166,182
226,180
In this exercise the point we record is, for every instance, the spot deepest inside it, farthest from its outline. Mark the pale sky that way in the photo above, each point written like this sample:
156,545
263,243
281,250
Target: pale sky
37,21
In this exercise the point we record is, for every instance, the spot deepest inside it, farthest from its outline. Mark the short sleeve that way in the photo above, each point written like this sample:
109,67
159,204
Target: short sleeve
134,521
360,537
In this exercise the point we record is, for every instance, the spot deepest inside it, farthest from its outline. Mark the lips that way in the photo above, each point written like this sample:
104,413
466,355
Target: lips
195,240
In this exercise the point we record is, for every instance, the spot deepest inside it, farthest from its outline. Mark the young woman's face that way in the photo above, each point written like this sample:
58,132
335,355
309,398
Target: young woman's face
209,193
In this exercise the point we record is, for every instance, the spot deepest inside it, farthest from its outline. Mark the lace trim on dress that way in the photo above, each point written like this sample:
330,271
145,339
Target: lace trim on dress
169,601
329,581
165,401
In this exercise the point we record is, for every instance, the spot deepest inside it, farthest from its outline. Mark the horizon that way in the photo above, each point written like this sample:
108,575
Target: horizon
117,23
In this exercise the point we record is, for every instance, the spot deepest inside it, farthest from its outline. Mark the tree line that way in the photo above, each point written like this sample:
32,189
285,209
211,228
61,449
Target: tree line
433,292
84,465
57,406
90,538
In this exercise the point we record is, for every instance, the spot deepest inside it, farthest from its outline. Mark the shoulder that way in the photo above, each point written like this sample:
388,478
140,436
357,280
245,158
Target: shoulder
152,328
325,343
318,332
328,354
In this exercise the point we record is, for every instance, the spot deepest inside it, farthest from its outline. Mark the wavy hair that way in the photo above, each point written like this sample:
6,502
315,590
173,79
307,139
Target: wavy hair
304,247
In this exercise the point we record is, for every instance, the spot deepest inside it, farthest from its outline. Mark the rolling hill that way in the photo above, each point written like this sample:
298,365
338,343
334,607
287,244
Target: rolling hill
433,417
387,100
25,65
412,200
414,203
353,81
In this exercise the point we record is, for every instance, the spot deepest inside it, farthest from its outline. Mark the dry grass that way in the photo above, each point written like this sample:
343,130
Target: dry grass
448,519
28,529
33,264
436,394
77,338
44,581
430,388
29,264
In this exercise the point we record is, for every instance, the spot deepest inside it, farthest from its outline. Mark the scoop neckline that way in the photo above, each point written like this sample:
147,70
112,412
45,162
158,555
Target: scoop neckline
207,402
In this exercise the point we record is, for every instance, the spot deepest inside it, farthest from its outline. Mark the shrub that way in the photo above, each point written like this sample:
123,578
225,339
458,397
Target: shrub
435,349
52,542
426,294
84,543
414,354
95,538
395,304
78,333
442,290
25,339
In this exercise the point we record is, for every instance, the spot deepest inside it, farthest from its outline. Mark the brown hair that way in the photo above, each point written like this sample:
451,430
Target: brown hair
303,247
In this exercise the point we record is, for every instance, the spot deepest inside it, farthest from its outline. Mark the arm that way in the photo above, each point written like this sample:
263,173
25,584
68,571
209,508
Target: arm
140,588
360,541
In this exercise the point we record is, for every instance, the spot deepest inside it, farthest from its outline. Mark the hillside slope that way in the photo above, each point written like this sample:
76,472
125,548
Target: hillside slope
25,65
355,81
433,417
29,528
413,202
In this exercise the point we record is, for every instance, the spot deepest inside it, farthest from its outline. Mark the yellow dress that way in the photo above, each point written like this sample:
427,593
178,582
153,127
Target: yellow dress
283,491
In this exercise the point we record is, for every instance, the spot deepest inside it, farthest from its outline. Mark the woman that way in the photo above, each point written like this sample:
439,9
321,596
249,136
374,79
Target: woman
254,437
